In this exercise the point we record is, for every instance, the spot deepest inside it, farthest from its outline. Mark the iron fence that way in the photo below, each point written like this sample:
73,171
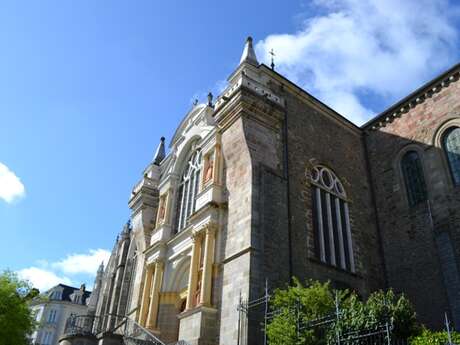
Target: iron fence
261,314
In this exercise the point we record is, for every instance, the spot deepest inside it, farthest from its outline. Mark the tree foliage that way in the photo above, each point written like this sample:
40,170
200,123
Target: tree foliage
298,302
16,320
301,304
381,307
434,338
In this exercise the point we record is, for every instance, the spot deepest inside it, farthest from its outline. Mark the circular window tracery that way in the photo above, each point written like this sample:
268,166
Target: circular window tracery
330,219
325,178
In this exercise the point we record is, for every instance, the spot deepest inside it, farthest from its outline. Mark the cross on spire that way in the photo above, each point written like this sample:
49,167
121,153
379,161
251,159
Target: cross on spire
272,53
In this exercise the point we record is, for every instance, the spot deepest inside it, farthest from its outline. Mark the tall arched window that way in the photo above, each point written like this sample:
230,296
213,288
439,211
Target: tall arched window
451,143
188,189
411,166
331,221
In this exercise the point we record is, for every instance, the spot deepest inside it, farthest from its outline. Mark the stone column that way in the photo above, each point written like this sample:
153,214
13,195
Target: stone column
193,273
146,294
155,297
206,282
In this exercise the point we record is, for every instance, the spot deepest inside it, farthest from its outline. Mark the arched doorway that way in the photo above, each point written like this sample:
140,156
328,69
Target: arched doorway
173,299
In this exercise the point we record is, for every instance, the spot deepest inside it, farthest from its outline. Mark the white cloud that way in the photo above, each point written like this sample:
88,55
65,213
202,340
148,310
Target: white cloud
382,48
83,263
11,187
43,279
73,270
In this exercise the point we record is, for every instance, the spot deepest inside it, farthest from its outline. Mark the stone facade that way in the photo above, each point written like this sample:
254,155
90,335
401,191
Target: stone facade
267,183
116,284
421,243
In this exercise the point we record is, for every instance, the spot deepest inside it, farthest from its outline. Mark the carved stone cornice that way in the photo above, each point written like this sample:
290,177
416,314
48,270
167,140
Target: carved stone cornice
251,84
209,228
249,97
144,194
157,247
246,104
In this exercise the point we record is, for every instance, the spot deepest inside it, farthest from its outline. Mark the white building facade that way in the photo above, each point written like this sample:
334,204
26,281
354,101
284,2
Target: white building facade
52,312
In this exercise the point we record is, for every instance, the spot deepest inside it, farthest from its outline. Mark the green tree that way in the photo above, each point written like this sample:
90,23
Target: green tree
16,320
381,307
299,304
434,338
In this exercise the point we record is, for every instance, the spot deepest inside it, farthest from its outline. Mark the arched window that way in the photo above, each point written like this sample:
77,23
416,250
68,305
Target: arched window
411,166
331,220
451,143
188,189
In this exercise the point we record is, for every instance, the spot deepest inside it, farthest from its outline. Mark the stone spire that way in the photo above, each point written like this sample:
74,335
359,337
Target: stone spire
95,294
249,55
160,152
126,229
100,270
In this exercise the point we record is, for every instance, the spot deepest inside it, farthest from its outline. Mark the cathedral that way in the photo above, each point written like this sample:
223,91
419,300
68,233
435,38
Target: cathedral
264,183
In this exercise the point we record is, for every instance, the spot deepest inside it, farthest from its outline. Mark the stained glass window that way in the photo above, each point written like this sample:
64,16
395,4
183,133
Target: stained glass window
452,147
411,166
331,221
188,189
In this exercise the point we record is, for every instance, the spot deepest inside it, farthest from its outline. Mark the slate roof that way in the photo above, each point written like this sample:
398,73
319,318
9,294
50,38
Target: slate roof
67,291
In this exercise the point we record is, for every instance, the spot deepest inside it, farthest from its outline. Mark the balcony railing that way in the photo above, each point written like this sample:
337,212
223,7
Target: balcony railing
132,332
81,325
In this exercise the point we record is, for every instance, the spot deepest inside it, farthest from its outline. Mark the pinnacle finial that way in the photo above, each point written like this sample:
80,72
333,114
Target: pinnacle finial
210,97
249,55
126,229
160,152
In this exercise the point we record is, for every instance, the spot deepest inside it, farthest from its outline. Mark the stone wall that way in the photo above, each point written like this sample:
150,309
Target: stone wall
258,204
421,243
317,135
235,239
168,322
256,249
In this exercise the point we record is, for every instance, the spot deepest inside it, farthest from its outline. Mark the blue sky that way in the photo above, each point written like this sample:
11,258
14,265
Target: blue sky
87,88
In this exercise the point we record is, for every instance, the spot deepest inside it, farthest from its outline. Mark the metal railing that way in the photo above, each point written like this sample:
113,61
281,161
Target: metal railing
381,334
262,314
135,334
109,323
80,325
132,332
